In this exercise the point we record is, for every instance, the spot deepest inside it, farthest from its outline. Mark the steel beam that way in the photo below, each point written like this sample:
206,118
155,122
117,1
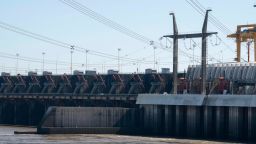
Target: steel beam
192,35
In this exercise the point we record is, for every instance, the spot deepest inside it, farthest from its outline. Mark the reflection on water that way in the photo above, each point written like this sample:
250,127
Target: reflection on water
7,136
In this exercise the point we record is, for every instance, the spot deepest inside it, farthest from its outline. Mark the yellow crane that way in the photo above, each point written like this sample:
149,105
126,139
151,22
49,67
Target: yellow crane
244,33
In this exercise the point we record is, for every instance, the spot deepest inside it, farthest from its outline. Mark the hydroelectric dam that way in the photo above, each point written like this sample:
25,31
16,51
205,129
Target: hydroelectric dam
135,103
206,101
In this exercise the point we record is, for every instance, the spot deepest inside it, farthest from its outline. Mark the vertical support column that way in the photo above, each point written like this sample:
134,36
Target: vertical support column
15,112
238,45
175,55
248,47
194,122
251,127
1,113
204,54
209,122
180,121
254,48
167,125
30,114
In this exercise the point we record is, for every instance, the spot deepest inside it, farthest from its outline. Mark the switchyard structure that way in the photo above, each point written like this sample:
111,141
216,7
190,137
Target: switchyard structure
208,101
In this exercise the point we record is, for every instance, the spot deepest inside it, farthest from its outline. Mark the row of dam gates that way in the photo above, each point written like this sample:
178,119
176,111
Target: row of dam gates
221,79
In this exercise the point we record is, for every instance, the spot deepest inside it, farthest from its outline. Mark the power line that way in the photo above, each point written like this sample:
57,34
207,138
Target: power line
58,43
201,11
219,25
36,60
12,57
110,23
65,63
78,48
213,19
100,18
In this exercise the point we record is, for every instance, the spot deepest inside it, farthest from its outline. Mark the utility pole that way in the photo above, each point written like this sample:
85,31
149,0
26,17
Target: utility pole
56,66
175,54
204,54
17,62
137,69
86,60
175,38
43,53
71,60
118,58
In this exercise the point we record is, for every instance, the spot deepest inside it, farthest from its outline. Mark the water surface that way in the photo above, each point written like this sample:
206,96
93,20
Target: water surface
7,136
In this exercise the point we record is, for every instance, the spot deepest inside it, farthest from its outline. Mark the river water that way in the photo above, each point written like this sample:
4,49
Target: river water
7,136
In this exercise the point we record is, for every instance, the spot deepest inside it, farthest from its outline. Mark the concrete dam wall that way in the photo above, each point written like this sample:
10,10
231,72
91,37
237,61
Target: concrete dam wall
30,110
89,120
197,116
228,117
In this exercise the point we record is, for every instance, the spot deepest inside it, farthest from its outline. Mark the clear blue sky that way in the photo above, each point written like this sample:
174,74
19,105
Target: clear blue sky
147,17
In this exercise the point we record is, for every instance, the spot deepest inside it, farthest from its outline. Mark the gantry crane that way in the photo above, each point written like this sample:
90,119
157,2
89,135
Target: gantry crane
244,33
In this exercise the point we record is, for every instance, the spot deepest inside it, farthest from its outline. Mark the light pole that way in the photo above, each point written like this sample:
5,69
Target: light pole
139,62
56,66
17,62
154,57
118,59
43,53
71,58
137,66
86,60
